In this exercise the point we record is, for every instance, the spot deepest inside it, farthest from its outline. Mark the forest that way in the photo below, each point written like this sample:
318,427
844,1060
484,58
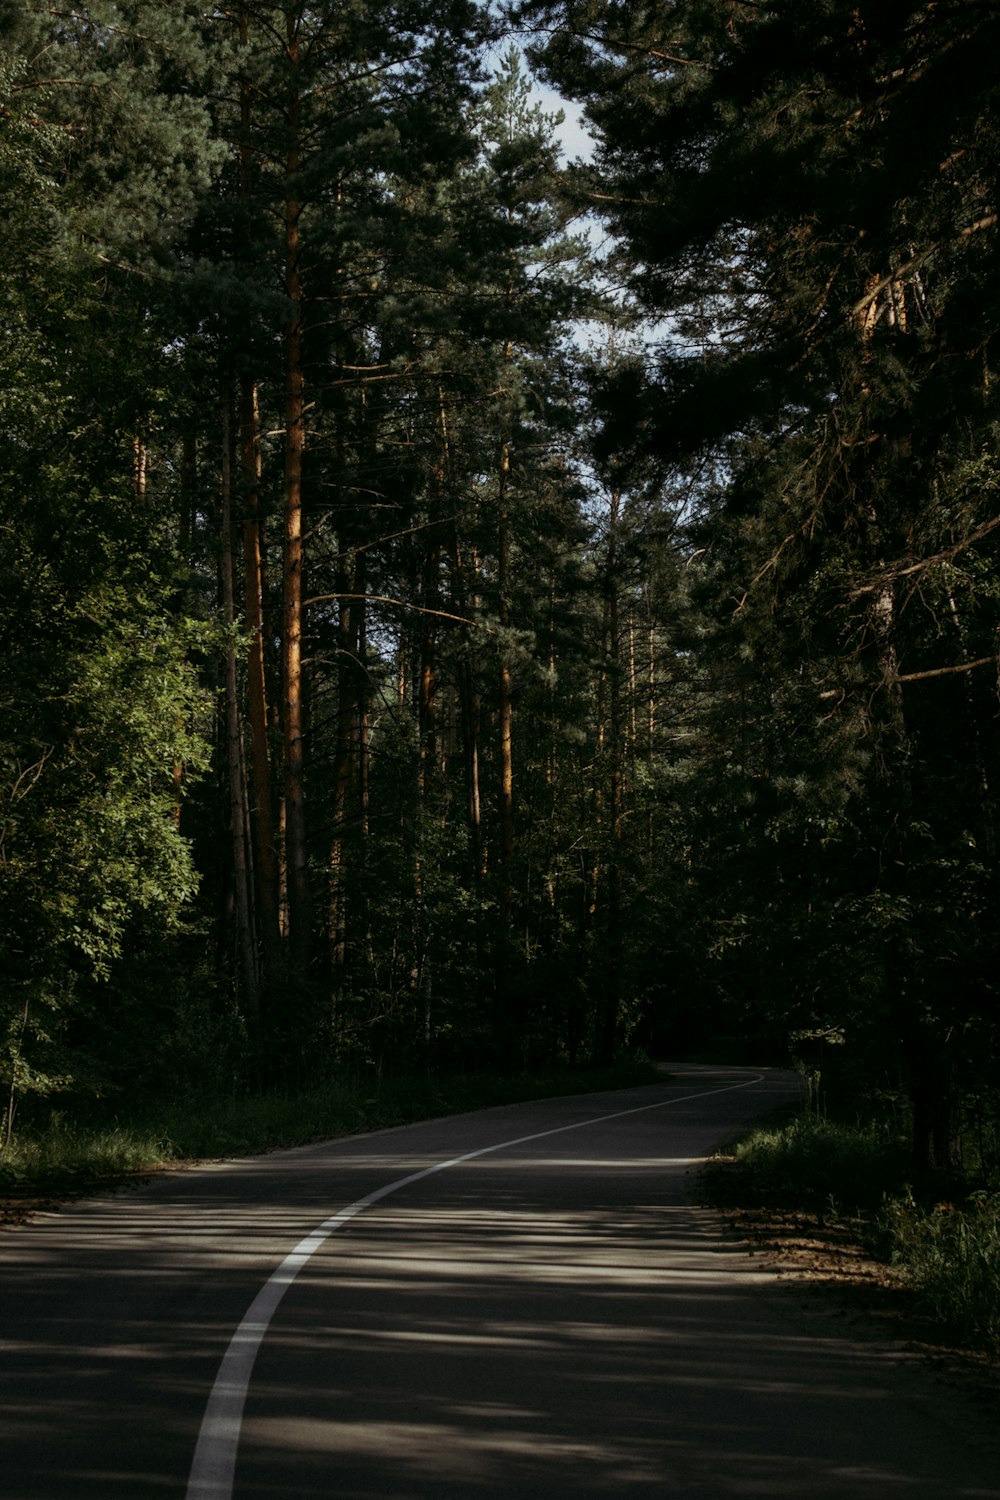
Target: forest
467,610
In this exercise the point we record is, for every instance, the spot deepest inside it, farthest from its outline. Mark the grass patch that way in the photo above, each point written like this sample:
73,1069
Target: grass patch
819,1165
74,1155
64,1153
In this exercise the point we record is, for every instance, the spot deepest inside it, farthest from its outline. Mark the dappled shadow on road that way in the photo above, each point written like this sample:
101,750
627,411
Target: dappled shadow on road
538,1350
556,1320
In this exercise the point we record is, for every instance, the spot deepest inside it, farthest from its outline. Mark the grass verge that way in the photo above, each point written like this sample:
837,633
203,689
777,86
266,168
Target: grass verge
950,1255
844,1193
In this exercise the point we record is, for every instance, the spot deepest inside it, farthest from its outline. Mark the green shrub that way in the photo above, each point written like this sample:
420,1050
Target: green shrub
812,1163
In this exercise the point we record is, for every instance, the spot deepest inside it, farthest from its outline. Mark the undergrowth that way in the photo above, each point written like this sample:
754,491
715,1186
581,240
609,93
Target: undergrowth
70,1152
950,1254
821,1165
946,1250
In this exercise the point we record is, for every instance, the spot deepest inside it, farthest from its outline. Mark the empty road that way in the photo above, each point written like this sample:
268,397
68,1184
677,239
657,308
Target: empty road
519,1302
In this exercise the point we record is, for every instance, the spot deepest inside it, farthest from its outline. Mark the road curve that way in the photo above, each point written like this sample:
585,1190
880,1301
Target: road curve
513,1303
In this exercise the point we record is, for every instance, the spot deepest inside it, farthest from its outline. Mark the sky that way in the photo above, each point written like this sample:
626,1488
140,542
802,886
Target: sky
573,135
574,138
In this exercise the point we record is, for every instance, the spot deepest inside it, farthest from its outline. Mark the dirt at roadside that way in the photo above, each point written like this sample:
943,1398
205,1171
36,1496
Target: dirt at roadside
18,1205
16,1210
827,1255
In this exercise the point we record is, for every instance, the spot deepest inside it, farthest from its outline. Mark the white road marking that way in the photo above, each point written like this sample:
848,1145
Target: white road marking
214,1465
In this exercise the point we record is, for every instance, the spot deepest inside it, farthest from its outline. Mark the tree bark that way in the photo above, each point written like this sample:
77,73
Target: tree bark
610,1004
507,1017
505,698
469,710
265,852
245,946
265,864
299,916
351,583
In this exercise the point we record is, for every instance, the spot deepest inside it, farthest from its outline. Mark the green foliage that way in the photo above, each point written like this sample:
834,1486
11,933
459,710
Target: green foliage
950,1255
729,603
820,1164
947,1251
804,197
101,685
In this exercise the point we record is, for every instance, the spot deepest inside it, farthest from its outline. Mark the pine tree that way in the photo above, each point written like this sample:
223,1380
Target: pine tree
808,197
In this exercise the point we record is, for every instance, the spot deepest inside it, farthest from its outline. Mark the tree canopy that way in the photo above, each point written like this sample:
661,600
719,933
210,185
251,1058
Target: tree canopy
428,643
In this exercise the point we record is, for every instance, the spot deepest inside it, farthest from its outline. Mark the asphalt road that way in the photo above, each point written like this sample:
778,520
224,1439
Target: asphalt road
514,1303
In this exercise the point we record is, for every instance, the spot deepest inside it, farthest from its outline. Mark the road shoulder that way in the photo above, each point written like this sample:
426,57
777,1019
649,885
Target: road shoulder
825,1258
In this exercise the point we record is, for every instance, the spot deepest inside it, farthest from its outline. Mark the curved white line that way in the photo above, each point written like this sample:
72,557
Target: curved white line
214,1464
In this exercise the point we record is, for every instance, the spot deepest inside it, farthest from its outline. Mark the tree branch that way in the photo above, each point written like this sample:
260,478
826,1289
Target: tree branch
418,609
988,222
894,575
963,666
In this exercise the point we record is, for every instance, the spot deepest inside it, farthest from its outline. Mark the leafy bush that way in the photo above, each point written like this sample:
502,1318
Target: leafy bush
812,1162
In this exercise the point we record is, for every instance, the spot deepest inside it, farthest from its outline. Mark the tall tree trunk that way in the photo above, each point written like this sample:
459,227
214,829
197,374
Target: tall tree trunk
935,1139
610,1003
650,729
506,712
469,726
265,864
428,752
469,710
427,686
351,584
299,915
189,493
140,466
246,959
607,813
265,851
592,862
507,1010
